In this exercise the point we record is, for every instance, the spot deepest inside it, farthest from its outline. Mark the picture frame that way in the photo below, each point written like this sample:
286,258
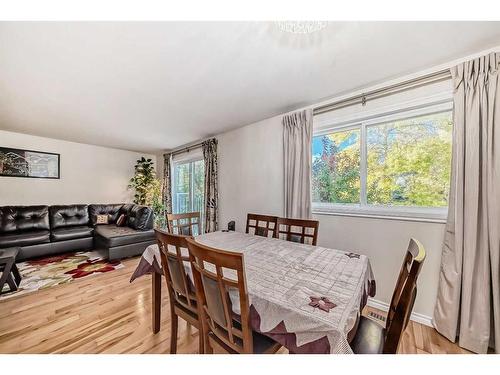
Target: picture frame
16,162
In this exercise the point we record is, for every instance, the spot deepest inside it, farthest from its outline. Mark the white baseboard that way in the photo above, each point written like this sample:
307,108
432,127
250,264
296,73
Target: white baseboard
416,317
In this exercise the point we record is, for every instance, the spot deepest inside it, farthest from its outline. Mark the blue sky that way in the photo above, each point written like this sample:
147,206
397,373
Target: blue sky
317,145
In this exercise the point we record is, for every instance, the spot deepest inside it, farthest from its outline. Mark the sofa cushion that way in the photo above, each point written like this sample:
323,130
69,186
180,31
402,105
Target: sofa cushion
68,216
71,233
23,218
27,238
111,235
102,219
111,210
126,209
122,220
140,218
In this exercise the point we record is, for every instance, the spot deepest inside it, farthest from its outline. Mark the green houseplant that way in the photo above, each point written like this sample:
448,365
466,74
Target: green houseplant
144,177
155,201
4,161
148,189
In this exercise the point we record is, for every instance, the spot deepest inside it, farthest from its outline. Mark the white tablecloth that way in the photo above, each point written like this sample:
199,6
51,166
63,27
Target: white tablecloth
281,276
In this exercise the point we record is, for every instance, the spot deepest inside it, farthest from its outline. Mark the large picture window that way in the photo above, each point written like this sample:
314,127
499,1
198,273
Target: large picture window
392,165
336,167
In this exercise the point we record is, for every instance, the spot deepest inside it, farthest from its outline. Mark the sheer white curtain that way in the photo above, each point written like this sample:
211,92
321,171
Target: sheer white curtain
468,302
297,139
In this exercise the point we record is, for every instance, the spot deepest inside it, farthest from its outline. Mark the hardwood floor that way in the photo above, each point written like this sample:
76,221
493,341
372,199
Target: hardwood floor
107,314
421,339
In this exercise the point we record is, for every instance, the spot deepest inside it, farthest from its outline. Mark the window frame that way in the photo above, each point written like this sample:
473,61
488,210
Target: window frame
189,157
427,106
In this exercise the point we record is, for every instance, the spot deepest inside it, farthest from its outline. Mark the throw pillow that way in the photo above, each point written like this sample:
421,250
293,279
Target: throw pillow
102,219
122,220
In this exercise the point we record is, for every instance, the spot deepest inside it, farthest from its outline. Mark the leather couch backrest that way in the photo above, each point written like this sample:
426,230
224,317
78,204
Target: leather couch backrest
126,209
140,218
23,218
68,216
113,210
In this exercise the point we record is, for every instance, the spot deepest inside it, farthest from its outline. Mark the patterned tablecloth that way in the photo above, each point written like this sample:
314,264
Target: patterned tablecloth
281,278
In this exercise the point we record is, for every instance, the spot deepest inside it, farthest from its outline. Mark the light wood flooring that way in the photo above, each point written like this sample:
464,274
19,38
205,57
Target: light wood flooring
107,314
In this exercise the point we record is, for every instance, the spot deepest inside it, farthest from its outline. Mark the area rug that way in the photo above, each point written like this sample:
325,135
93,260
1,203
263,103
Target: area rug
47,272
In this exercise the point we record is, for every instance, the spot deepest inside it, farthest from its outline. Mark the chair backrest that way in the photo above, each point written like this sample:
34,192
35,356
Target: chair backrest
298,230
404,296
269,228
184,223
215,272
174,259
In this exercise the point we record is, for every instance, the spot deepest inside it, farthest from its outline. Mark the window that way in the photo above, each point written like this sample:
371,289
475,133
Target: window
188,186
392,165
336,167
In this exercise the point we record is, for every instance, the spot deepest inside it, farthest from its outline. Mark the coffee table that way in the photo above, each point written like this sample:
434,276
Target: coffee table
10,273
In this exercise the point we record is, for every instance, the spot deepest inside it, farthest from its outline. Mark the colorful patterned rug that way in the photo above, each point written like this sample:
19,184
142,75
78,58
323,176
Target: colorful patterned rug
47,272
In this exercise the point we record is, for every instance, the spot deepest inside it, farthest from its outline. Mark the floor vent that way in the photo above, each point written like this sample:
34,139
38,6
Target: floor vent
377,316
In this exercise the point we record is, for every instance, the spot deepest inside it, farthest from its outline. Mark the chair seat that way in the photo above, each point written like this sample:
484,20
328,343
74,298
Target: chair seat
261,343
369,338
183,305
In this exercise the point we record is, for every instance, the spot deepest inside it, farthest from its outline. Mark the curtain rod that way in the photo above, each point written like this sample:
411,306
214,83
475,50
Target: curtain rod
186,149
362,98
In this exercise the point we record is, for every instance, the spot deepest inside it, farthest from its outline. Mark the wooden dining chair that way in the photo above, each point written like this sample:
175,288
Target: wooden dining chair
297,230
370,337
182,296
184,223
223,330
269,228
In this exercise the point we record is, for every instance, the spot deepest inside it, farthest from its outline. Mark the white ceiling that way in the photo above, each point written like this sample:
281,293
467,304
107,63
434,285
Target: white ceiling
153,86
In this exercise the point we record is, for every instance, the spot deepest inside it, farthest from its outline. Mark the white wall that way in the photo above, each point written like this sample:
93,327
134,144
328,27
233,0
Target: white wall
385,242
89,174
251,180
251,172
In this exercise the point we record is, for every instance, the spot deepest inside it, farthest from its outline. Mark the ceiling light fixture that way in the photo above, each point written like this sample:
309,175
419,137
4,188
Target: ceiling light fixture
301,27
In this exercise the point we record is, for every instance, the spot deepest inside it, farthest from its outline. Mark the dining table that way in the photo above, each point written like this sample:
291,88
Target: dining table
307,298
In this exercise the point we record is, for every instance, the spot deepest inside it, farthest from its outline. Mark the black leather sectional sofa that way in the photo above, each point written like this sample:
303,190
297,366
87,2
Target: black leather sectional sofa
45,230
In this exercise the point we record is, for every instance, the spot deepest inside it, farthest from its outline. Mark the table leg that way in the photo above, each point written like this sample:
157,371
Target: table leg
6,273
156,299
17,275
11,283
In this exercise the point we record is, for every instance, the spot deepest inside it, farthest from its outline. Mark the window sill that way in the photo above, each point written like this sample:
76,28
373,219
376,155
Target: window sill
385,213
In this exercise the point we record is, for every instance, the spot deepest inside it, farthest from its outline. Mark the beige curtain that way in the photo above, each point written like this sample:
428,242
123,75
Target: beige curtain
468,301
297,138
211,186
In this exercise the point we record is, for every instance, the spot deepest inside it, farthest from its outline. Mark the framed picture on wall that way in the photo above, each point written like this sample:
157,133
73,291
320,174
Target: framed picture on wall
28,163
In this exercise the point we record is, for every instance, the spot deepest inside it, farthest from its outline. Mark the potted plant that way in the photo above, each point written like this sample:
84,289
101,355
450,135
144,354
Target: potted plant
155,201
148,190
4,160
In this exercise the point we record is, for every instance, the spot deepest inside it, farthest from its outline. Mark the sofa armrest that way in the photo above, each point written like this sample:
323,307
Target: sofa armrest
140,218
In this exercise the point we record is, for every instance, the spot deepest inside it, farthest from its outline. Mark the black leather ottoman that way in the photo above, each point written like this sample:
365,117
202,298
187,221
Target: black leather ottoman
123,242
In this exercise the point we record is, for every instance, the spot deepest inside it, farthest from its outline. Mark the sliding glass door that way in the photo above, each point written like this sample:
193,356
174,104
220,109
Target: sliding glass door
188,186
